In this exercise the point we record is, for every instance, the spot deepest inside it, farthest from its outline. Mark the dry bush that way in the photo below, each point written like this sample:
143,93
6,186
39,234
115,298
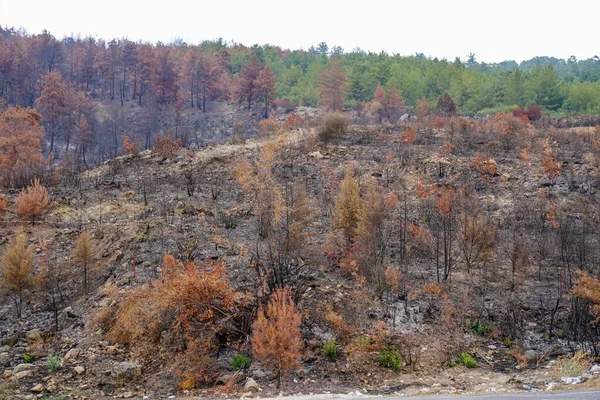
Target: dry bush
32,202
129,145
334,127
167,147
552,167
485,165
270,126
286,104
572,366
507,124
587,288
517,354
3,205
193,303
343,331
293,121
533,113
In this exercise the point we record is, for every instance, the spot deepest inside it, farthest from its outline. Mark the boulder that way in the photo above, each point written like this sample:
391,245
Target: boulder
23,367
531,356
4,360
7,374
72,354
127,371
79,370
22,374
251,385
235,378
39,388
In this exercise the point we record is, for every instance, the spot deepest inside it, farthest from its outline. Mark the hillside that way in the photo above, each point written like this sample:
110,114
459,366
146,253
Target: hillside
465,236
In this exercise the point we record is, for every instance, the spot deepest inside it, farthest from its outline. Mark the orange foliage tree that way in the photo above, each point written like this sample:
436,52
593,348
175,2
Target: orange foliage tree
266,84
552,167
247,82
423,108
167,147
333,85
32,202
3,205
587,287
396,106
276,338
485,165
20,144
52,102
17,265
371,237
129,145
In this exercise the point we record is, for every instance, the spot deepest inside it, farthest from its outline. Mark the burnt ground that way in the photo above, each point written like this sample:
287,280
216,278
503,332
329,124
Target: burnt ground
137,208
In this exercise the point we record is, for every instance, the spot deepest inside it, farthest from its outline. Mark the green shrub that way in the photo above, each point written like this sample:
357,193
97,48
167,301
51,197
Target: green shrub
477,327
240,362
27,358
53,363
467,360
391,358
333,128
141,237
507,342
363,341
330,349
452,364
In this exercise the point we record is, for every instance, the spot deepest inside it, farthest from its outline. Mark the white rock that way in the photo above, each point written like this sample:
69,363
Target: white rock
38,388
251,385
79,370
72,354
23,367
23,374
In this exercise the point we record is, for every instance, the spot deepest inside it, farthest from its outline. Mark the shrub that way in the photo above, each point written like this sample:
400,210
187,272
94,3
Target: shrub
533,113
27,358
363,341
507,342
391,358
167,147
467,360
477,327
293,121
141,237
572,366
239,361
129,145
330,349
32,202
53,363
194,302
333,128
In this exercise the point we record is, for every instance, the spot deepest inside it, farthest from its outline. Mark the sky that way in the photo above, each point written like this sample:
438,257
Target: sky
492,30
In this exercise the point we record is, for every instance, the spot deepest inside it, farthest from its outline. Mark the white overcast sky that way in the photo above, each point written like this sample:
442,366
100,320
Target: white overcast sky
492,30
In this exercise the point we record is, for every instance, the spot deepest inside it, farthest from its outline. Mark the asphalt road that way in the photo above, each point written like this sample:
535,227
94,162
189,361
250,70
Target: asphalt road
578,395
